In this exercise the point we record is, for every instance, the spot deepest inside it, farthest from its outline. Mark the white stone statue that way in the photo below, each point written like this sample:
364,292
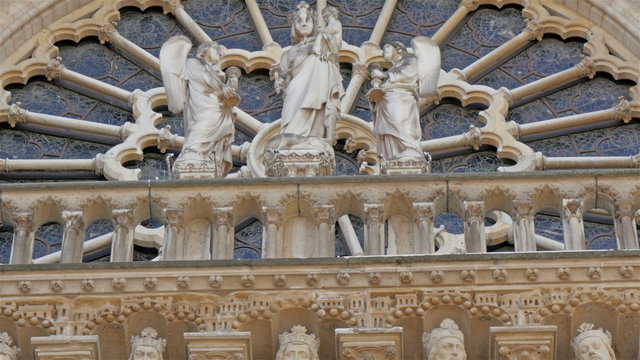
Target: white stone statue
592,344
7,350
308,74
197,86
297,345
444,343
395,103
147,346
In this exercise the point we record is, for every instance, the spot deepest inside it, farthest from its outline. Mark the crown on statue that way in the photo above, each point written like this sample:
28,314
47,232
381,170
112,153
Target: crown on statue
6,347
448,329
586,330
299,334
148,337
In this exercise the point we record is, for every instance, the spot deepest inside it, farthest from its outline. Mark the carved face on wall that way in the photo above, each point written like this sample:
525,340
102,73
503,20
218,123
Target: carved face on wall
448,348
146,352
297,351
592,348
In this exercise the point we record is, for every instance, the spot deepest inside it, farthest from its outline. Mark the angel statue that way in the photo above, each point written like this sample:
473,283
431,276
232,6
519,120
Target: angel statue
308,74
395,103
197,87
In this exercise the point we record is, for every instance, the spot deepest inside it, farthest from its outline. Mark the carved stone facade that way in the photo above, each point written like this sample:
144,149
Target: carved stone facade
406,284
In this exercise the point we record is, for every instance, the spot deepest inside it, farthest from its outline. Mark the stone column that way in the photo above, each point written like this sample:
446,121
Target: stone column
474,235
625,225
223,238
523,342
424,223
23,236
271,232
176,8
218,345
370,344
572,224
174,234
326,244
374,229
359,74
523,228
73,237
109,33
66,347
123,233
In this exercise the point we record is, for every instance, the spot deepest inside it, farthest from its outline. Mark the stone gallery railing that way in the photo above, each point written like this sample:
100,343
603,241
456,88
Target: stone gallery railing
299,215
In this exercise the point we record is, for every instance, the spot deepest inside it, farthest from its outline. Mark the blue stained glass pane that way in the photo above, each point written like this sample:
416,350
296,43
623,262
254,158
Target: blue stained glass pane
451,222
599,236
153,166
447,120
225,21
346,164
258,97
6,239
341,245
98,228
48,239
481,161
418,17
15,144
549,226
77,149
149,29
248,241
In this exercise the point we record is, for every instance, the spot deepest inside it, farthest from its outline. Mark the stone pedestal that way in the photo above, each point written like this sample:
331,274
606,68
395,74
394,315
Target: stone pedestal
218,345
369,344
405,166
523,342
195,169
66,347
293,155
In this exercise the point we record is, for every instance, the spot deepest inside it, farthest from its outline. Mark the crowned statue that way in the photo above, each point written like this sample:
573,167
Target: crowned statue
592,344
308,76
205,95
147,346
395,97
444,343
297,345
7,350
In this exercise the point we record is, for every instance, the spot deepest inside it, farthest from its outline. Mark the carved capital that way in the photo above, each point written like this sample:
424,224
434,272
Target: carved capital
223,216
73,220
473,137
587,67
326,214
360,69
272,215
54,68
16,114
523,210
423,210
105,31
173,218
623,110
123,218
573,208
474,211
623,209
534,30
373,212
23,221
171,6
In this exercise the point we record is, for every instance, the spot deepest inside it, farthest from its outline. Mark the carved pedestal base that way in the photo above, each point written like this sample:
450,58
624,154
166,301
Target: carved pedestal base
524,342
218,345
66,347
369,344
293,155
195,169
405,166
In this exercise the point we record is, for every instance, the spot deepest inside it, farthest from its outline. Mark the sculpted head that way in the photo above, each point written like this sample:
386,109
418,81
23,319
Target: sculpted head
147,346
210,51
297,345
445,342
302,22
592,344
7,350
329,14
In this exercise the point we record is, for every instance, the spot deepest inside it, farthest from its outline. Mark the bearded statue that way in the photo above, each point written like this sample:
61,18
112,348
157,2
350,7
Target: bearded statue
298,345
592,344
147,346
445,342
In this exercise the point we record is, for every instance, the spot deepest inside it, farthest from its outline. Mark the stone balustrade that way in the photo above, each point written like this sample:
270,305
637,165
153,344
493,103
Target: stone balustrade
299,216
